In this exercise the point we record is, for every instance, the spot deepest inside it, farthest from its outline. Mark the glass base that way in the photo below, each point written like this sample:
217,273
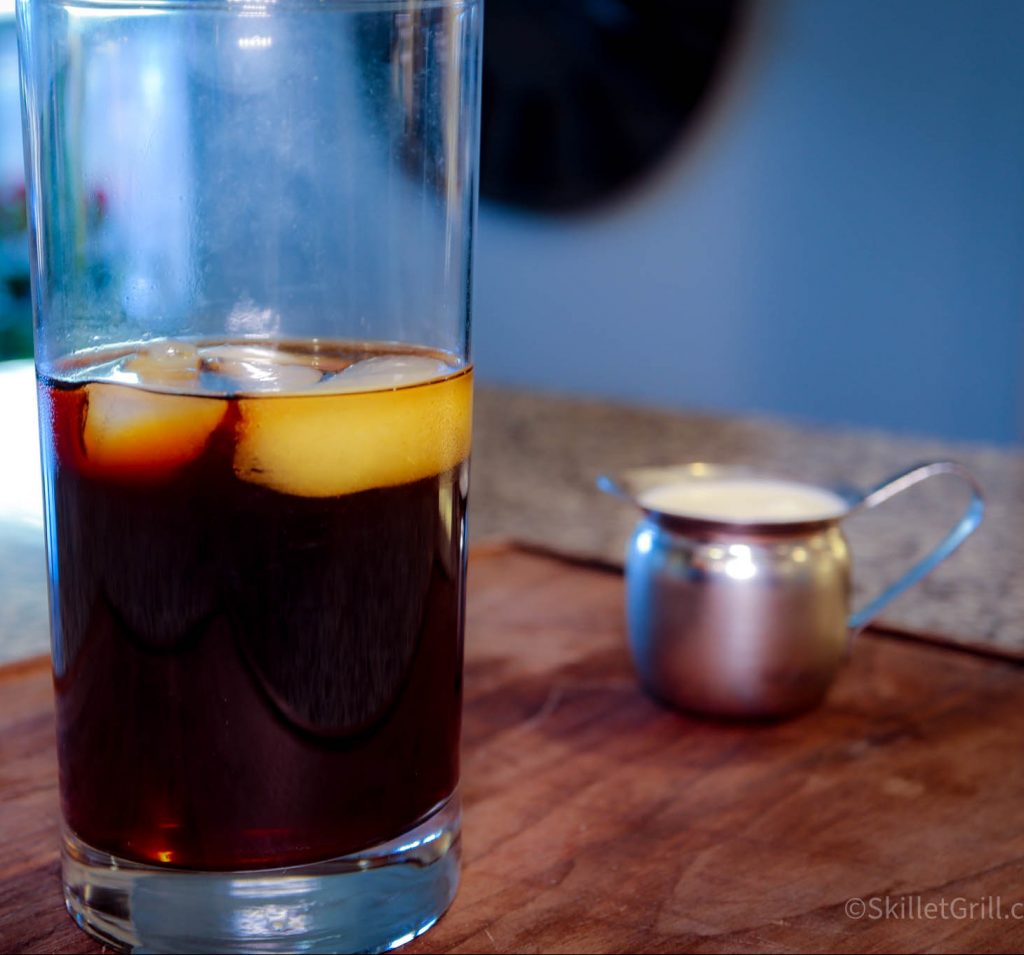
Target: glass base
370,901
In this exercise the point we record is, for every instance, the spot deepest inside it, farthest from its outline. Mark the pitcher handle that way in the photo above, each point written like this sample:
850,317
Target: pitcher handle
966,526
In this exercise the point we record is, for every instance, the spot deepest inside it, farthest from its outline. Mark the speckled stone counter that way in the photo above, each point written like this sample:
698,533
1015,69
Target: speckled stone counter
536,458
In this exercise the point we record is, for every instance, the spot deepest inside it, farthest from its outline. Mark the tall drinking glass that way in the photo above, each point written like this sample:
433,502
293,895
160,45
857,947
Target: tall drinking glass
251,230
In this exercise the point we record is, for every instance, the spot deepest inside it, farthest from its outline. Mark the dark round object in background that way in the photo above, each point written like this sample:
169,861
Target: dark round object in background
583,97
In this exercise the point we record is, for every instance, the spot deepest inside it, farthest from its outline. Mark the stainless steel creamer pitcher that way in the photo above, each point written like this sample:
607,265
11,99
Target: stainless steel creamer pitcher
738,600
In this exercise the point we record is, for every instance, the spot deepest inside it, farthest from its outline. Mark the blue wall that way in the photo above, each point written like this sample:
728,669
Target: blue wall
841,240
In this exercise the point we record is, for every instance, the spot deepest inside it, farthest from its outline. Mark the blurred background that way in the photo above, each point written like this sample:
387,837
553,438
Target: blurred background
837,235
15,306
808,209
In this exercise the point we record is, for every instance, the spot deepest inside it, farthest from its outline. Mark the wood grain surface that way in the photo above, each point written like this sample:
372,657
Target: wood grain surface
598,821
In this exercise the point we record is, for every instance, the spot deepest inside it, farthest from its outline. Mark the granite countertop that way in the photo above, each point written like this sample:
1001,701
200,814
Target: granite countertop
536,457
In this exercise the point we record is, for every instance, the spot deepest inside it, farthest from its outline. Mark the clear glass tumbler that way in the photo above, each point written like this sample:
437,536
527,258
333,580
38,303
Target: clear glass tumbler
251,230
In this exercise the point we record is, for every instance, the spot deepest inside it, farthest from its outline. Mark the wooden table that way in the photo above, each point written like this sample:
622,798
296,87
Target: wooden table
598,821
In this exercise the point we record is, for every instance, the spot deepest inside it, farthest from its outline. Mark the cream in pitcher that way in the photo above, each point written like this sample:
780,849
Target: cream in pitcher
738,583
744,500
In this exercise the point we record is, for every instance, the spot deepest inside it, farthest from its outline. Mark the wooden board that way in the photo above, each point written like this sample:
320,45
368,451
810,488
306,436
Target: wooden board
598,821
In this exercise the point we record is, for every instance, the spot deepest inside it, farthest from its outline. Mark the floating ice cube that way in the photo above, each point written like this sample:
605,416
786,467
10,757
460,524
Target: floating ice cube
334,444
254,369
385,373
130,433
166,363
229,351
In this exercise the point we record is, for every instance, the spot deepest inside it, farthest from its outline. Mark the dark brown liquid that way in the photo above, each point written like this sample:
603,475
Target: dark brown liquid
246,677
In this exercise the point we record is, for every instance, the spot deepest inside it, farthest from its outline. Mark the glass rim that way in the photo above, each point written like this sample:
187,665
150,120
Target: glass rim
127,8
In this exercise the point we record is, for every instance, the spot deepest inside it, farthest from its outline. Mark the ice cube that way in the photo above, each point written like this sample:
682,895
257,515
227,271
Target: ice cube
164,363
253,369
385,373
132,434
324,444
